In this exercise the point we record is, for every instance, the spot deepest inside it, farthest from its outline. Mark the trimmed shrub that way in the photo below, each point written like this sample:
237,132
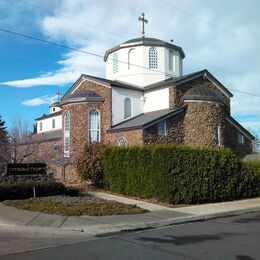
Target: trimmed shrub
179,174
25,190
90,164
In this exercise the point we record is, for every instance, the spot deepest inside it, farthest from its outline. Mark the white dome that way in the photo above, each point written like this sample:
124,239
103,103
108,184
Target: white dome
143,61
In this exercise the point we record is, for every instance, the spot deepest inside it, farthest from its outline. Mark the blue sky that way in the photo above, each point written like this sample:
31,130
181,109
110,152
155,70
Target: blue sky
221,36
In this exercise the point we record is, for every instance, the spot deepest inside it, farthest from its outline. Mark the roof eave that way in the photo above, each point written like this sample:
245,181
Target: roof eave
122,46
206,74
239,127
148,124
49,116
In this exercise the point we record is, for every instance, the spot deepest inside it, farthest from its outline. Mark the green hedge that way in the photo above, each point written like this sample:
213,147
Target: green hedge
179,174
25,190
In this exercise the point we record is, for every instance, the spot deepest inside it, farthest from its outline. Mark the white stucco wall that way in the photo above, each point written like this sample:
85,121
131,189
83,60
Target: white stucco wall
141,75
177,63
118,98
47,124
54,109
156,100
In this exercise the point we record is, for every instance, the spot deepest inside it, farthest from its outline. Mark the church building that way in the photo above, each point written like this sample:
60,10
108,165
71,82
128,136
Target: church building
144,99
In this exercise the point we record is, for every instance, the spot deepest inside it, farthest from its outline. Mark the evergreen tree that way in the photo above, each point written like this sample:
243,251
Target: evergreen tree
4,146
3,132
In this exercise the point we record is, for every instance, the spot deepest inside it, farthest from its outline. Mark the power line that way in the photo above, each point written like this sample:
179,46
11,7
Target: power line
49,42
78,50
224,69
94,54
244,92
174,7
72,19
199,18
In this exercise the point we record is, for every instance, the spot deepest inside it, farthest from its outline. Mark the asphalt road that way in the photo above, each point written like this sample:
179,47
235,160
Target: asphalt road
225,238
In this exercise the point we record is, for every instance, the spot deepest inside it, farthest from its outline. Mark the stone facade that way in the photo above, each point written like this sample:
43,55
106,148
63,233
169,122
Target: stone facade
200,124
174,131
231,141
79,116
133,137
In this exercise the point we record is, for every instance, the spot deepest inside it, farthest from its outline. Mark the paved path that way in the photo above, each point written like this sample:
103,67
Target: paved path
157,217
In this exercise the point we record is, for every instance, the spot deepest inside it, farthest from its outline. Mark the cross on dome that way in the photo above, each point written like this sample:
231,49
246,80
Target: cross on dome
58,94
143,20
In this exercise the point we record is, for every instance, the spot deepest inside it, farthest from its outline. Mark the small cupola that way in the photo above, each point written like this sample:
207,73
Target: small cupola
54,107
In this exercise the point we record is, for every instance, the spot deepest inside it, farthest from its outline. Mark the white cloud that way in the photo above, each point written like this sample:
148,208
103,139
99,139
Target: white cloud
230,40
39,101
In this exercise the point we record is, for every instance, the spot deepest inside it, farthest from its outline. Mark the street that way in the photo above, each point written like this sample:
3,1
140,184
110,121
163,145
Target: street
235,237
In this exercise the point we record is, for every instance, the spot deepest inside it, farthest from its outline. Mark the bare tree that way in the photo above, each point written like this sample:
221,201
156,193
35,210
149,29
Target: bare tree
255,142
21,143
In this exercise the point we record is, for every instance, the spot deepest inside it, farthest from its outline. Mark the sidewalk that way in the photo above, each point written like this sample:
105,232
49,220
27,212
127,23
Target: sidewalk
158,216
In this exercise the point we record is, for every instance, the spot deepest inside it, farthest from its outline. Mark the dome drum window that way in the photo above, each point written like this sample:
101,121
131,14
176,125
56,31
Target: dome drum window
131,56
153,58
115,63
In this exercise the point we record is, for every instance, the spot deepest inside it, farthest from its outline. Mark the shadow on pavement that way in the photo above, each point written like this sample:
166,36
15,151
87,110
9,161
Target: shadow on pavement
253,219
185,240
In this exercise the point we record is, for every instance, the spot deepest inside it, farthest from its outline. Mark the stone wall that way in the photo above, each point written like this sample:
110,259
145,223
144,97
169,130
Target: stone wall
200,123
133,137
174,129
79,116
231,141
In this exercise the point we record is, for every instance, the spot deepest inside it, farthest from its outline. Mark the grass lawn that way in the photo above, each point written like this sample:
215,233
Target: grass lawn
91,208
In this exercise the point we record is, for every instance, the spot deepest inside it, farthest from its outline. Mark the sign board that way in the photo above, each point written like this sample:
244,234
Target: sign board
26,168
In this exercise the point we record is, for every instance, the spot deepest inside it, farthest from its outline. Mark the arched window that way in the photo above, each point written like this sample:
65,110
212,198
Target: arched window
131,56
122,142
94,126
66,134
127,108
53,123
218,134
115,62
153,59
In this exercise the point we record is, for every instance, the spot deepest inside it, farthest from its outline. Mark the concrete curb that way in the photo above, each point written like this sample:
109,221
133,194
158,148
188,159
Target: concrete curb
108,229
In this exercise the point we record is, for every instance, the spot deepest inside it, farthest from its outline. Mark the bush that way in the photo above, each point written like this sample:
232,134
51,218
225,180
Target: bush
179,174
90,164
25,190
